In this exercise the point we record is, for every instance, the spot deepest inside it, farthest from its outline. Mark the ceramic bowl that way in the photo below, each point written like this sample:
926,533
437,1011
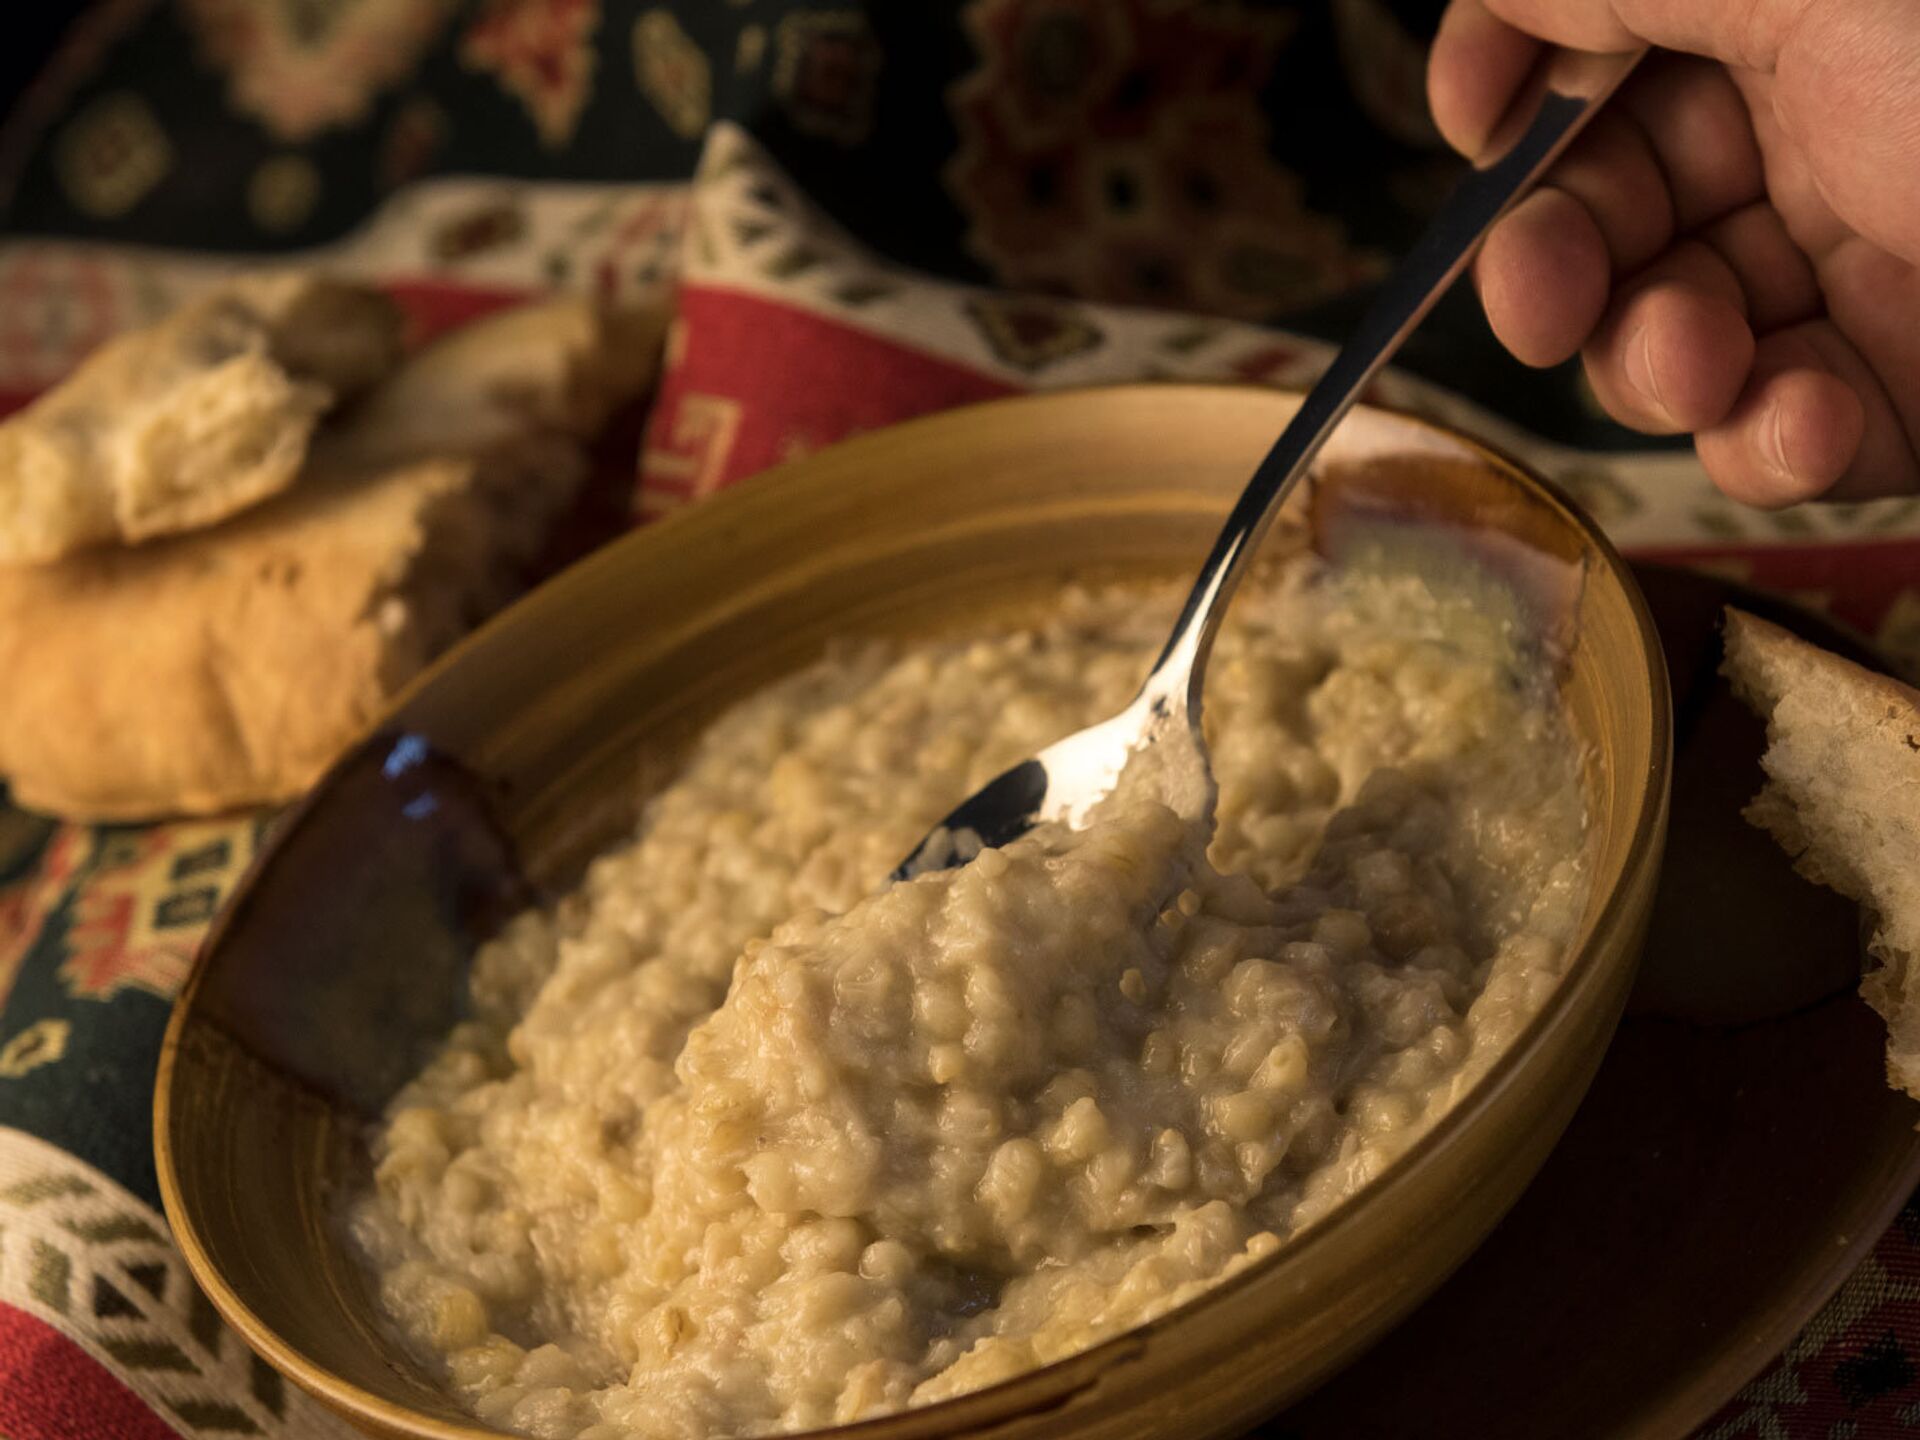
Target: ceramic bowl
339,962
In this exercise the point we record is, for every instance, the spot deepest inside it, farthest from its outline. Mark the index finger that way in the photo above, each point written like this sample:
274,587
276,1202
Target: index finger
1484,49
1735,32
1476,67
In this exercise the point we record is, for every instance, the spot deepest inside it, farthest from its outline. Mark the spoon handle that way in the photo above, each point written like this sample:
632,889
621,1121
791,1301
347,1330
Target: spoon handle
1561,97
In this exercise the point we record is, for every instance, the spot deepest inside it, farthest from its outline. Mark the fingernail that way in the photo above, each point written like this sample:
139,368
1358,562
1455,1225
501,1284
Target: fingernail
1639,368
1773,445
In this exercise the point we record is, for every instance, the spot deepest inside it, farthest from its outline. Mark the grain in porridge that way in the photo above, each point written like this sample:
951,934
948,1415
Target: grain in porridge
735,1144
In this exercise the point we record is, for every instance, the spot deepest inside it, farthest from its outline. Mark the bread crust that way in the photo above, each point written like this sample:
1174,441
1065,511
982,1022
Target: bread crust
228,666
558,366
178,425
212,670
1842,797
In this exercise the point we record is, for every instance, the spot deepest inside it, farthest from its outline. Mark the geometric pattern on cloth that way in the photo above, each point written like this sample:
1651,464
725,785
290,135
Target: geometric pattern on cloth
87,1259
752,233
61,298
98,928
790,334
1848,1375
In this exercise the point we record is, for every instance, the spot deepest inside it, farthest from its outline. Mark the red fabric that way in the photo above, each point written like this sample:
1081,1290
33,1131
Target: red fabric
1856,581
51,1389
1859,1384
764,382
433,306
751,382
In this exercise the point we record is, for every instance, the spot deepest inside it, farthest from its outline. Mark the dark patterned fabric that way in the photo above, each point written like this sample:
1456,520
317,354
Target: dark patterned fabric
97,928
1248,158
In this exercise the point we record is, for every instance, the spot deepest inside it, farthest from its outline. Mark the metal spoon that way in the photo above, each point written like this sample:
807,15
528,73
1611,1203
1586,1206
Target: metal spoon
1069,777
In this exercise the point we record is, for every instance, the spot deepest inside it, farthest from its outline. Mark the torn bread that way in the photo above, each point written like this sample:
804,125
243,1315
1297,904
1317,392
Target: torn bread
190,420
1842,797
228,667
554,366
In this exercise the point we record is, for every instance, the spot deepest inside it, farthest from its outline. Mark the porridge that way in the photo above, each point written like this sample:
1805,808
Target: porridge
735,1143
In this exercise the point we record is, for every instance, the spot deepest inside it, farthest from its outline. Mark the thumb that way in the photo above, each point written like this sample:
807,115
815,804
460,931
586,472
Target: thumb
1484,50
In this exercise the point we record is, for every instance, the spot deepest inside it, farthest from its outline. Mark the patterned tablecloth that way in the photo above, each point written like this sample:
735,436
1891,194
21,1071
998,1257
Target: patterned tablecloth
1049,168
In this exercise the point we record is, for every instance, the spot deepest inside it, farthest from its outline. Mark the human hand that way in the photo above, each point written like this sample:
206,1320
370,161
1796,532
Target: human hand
1733,245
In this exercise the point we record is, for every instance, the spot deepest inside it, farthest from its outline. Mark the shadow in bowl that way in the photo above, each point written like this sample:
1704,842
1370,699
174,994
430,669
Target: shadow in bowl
423,870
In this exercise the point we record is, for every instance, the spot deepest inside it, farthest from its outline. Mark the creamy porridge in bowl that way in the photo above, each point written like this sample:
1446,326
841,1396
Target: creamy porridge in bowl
734,1144
729,1139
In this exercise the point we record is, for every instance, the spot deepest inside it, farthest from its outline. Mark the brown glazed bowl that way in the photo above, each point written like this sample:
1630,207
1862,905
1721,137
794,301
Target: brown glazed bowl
339,963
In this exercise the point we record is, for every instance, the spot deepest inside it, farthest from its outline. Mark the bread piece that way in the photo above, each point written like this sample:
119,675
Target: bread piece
556,366
190,420
228,667
1843,798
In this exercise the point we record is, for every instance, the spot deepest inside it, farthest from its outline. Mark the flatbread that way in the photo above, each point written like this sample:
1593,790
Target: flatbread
229,666
190,420
558,366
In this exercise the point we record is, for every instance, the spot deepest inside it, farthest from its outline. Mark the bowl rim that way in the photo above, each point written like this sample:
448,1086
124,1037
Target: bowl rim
1004,1400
